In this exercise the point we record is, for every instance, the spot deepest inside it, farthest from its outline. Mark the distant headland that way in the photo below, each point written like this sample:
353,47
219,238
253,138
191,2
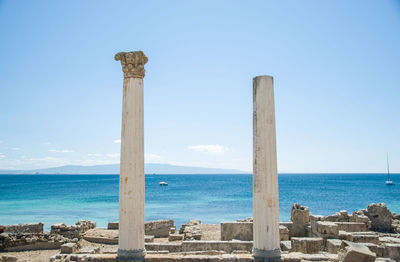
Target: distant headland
150,168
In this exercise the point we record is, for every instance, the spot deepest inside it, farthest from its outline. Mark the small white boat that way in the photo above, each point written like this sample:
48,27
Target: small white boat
389,182
163,183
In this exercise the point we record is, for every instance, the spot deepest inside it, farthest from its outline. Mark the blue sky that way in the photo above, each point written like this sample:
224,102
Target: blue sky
336,69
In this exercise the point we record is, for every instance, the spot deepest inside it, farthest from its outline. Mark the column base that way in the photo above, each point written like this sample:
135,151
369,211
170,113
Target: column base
267,255
131,255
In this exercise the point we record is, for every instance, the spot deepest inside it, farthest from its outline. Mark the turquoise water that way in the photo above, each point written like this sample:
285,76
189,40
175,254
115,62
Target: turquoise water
211,198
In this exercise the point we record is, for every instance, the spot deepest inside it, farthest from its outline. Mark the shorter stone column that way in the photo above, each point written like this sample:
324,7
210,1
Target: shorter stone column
265,177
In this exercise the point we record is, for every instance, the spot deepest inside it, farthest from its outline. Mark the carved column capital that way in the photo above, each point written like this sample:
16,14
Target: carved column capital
132,63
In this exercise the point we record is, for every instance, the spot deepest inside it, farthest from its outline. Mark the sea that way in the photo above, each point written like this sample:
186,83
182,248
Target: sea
53,199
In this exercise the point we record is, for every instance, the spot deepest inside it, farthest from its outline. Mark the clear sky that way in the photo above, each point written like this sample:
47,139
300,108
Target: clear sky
336,69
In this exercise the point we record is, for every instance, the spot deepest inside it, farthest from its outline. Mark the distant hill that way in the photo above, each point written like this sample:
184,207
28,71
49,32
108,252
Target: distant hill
150,168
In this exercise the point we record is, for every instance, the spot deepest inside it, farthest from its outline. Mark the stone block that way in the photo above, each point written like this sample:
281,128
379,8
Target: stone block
352,226
392,251
286,245
8,258
24,228
378,250
68,248
113,225
237,230
343,235
313,223
380,216
227,246
356,253
307,245
300,216
326,229
158,228
148,239
334,245
175,237
283,232
366,238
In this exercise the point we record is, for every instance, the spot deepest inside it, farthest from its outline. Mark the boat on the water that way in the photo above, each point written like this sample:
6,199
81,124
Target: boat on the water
389,182
163,183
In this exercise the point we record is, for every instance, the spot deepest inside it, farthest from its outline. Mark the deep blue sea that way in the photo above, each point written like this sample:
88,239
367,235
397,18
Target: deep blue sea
211,198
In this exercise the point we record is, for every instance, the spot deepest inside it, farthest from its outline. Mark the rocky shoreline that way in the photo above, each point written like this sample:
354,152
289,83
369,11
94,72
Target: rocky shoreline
369,234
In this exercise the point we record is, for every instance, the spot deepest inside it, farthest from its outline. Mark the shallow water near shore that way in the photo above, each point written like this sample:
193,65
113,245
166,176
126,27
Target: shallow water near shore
211,198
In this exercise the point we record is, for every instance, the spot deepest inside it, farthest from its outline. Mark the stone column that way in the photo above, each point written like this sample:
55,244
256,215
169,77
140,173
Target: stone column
131,178
265,178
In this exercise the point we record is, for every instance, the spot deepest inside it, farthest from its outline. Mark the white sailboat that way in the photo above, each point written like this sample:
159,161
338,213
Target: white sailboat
389,182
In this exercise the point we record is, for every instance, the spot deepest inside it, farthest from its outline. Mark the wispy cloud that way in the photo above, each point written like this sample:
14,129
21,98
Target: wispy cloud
95,154
15,148
117,141
152,158
46,143
209,149
2,155
60,151
115,155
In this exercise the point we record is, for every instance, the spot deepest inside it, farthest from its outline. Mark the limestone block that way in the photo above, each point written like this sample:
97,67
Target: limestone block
112,225
88,250
356,253
364,238
300,216
288,225
8,258
158,228
380,216
148,239
307,245
327,229
175,237
313,223
68,248
352,226
343,235
378,250
334,245
24,228
392,251
286,245
384,259
236,230
227,246
342,216
283,232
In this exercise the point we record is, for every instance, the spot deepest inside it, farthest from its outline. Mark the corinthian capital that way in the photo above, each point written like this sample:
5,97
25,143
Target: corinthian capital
132,63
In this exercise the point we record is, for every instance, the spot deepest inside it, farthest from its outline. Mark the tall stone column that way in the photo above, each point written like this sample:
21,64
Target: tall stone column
131,178
265,178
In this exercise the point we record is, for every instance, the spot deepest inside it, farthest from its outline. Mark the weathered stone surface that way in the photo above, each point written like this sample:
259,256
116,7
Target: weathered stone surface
171,247
88,250
72,231
378,250
148,239
191,230
326,229
334,245
284,233
68,248
24,228
227,246
288,225
356,253
8,258
300,216
364,238
300,257
286,245
392,251
112,225
237,230
380,216
342,216
30,241
352,226
307,245
158,228
175,237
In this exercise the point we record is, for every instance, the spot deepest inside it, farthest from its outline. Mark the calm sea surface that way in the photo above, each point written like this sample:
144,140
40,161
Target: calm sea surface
211,198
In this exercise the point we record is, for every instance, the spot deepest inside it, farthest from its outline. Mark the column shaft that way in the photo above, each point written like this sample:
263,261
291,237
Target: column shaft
131,180
265,178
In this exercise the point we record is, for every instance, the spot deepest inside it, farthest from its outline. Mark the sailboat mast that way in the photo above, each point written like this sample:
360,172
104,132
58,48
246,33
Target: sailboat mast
387,162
